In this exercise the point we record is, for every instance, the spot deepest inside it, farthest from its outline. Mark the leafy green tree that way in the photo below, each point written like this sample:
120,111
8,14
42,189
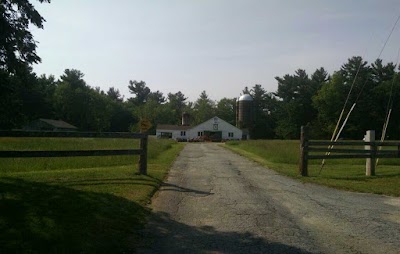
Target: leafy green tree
140,92
114,94
357,71
74,78
362,80
226,110
39,99
264,110
17,46
157,97
121,118
154,107
329,102
319,77
176,104
153,111
204,108
17,53
24,98
11,104
295,108
381,73
71,99
386,95
80,104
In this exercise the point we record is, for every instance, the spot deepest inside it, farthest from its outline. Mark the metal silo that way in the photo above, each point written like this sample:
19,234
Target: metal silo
244,112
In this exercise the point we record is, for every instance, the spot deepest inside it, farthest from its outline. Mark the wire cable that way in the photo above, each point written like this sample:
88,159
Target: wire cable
389,107
358,96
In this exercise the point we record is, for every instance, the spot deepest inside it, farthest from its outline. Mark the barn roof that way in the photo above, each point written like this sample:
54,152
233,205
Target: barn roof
58,123
172,127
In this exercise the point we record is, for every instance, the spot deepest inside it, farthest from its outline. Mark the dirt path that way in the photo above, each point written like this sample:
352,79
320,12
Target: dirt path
218,202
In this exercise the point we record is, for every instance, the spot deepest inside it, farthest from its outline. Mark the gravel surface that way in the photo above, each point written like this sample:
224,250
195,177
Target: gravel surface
215,201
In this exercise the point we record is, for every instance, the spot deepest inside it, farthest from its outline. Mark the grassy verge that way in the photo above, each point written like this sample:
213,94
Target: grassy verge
67,205
282,156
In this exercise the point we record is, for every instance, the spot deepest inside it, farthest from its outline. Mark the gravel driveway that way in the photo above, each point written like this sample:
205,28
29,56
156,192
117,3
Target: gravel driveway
215,201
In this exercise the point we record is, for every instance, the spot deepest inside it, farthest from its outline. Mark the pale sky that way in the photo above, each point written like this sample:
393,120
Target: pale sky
219,46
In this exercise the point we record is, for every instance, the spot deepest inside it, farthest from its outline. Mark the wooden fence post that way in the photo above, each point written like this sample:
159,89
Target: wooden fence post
370,163
303,165
143,155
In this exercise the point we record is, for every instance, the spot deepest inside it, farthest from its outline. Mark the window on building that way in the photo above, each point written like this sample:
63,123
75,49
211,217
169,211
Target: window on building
166,134
183,133
200,133
230,134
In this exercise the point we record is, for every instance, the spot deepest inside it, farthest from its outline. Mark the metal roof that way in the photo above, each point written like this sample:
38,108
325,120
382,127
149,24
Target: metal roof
173,127
58,123
245,97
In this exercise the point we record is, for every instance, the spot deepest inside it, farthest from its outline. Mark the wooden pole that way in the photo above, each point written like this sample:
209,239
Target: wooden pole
303,165
143,156
370,163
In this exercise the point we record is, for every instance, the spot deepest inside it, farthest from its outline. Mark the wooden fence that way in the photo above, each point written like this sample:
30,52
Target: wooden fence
142,151
311,150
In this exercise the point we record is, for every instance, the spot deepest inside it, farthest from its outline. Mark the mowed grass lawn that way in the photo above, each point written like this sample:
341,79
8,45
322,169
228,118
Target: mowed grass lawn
349,174
78,204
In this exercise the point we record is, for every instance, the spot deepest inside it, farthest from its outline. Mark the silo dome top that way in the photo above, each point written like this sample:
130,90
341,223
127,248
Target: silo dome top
245,97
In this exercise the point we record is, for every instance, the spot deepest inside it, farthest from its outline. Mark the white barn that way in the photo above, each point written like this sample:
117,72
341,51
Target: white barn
214,129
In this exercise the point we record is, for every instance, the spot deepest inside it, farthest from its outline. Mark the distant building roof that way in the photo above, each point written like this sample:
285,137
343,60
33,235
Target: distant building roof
173,127
58,123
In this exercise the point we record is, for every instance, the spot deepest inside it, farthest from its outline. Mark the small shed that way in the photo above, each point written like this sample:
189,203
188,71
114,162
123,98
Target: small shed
49,125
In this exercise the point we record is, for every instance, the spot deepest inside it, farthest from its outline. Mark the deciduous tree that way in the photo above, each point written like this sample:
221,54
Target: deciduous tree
17,46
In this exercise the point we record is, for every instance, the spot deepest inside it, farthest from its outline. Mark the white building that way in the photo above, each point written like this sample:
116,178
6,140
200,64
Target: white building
213,129
172,131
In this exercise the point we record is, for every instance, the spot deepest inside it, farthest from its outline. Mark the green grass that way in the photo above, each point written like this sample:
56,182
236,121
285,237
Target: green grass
349,174
75,205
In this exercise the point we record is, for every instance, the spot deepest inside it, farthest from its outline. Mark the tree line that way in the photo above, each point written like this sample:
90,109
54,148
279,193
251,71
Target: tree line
318,100
27,97
314,100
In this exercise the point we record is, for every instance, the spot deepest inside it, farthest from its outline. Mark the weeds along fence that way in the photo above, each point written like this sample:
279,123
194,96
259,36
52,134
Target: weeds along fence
142,151
315,149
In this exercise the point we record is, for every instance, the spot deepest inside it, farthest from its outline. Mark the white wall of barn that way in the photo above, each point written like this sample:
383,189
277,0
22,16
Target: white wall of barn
176,134
216,124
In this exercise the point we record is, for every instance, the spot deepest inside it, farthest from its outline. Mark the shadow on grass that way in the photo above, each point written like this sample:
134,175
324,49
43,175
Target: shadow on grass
41,218
106,181
165,235
364,178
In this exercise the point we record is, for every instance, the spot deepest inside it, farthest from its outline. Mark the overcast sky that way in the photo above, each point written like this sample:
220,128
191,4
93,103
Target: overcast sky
219,46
